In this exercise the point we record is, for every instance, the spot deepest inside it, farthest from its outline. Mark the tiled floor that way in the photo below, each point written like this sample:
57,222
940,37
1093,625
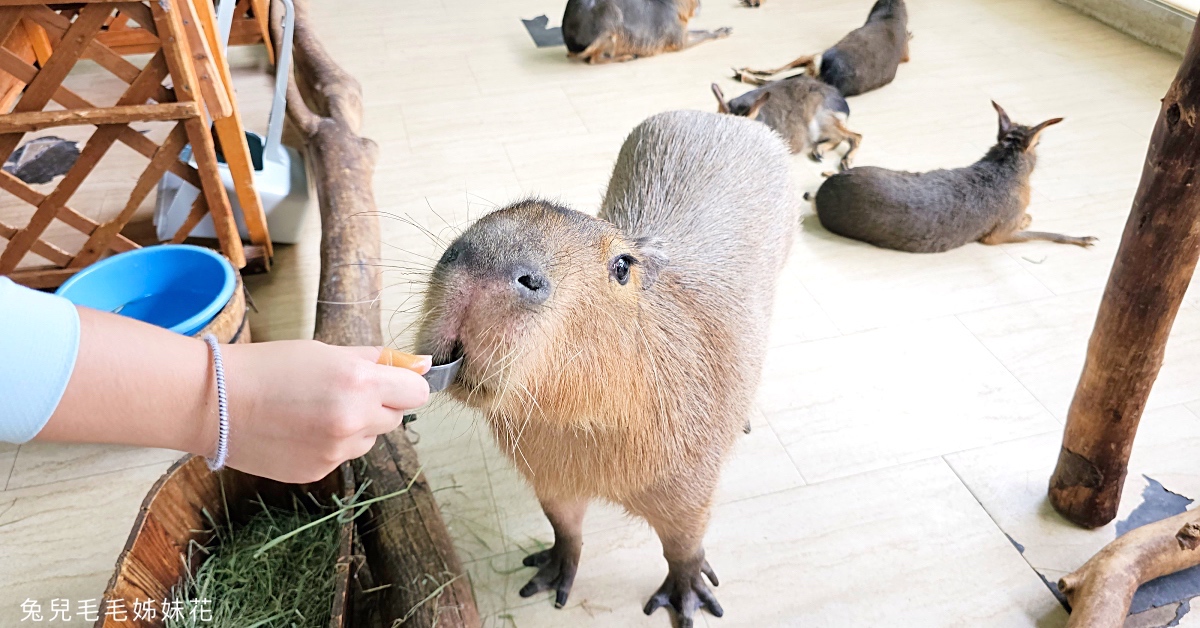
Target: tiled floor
912,406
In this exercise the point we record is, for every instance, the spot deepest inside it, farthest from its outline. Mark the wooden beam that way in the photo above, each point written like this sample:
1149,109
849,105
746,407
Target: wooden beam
419,577
37,120
1154,265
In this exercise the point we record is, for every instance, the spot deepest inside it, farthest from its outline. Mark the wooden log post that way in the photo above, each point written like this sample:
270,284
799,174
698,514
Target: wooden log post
1153,268
1101,591
419,580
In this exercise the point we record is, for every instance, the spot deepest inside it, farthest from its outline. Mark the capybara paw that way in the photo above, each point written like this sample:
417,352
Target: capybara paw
724,31
1087,241
751,3
554,571
684,593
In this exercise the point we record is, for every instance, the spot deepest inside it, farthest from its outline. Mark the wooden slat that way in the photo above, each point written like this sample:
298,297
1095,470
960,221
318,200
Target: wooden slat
56,24
14,65
97,244
97,145
124,114
41,89
15,43
262,20
169,21
42,278
232,135
38,39
52,253
216,97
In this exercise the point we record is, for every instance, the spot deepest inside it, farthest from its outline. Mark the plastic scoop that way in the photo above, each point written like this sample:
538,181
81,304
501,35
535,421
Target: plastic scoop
439,377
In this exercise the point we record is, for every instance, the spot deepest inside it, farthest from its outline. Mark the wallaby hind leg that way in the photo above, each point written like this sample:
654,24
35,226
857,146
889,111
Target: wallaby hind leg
1028,236
851,138
699,37
807,62
740,75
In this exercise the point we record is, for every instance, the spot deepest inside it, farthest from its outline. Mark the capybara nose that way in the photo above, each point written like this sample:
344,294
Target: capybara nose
532,286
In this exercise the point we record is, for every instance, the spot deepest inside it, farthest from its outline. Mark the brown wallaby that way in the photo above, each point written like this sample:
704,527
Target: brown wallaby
936,211
864,60
604,31
616,358
809,114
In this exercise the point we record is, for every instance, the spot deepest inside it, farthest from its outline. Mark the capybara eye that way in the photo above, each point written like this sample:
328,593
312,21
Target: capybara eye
450,255
619,268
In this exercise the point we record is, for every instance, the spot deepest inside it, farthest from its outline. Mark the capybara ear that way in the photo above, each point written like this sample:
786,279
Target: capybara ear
651,258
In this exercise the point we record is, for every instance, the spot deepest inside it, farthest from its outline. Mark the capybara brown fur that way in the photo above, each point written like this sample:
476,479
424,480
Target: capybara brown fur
809,114
616,358
936,211
864,60
605,31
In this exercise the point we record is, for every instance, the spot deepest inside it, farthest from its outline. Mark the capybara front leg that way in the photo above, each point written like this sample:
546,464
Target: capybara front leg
679,515
699,37
556,566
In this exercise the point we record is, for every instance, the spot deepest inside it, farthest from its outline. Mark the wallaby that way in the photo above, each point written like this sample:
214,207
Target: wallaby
937,211
809,114
604,31
864,60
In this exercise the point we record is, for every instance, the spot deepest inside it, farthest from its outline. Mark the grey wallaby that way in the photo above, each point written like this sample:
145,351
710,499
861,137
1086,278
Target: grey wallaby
606,31
809,114
936,211
864,60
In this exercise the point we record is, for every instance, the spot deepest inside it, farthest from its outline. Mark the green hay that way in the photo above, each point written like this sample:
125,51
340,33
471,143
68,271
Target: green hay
276,571
291,586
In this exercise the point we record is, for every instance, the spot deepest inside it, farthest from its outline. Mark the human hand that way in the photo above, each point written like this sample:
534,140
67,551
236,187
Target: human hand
300,408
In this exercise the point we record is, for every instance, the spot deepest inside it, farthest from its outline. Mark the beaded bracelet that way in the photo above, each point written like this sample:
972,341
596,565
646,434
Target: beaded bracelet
217,462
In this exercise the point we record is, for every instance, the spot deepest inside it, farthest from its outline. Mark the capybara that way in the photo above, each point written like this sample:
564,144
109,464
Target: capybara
864,60
616,358
604,31
809,114
936,211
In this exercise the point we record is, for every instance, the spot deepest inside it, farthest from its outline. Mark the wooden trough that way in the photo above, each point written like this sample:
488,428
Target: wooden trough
171,520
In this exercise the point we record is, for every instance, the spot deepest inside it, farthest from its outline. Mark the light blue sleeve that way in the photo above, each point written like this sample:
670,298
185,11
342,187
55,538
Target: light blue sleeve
39,341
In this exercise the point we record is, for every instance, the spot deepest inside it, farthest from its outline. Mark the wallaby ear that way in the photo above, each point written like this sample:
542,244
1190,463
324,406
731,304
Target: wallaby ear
758,104
1037,131
722,107
651,259
1006,125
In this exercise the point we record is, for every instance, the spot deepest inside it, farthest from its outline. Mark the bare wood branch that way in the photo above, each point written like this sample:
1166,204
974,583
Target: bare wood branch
1101,591
1154,265
408,546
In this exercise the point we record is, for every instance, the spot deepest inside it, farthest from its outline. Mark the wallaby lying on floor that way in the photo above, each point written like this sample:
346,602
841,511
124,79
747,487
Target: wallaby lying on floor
604,31
864,60
809,114
941,210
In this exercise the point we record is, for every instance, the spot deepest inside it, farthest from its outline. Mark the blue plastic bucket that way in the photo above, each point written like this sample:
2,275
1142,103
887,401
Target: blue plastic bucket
176,286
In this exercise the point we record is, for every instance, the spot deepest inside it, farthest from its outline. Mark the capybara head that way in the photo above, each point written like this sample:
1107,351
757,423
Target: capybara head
541,301
1019,137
